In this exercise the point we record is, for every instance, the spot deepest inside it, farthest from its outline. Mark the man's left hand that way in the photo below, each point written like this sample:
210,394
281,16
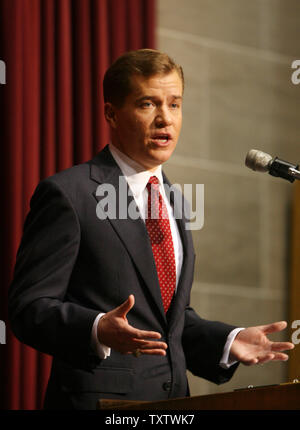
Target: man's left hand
252,346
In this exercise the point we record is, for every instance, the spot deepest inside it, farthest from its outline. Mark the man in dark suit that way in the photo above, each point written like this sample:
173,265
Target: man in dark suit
109,296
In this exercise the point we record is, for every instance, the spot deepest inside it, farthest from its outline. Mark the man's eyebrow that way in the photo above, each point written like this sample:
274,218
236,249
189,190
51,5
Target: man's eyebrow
140,99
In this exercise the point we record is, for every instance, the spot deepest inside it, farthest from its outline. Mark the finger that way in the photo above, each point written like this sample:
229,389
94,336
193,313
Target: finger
125,307
282,346
277,356
280,357
142,334
141,344
153,352
273,327
249,361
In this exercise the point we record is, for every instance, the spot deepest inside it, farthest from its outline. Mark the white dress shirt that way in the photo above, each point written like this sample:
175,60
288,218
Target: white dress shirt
137,178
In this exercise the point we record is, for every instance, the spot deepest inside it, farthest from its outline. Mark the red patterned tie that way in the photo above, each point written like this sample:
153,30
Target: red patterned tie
159,231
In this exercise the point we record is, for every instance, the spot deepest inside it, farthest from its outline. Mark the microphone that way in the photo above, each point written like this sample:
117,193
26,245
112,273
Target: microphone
262,162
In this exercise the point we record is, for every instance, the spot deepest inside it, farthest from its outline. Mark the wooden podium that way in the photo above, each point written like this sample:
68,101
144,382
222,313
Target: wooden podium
273,397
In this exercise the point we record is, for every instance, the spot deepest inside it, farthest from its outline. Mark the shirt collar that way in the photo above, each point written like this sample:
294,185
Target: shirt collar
136,175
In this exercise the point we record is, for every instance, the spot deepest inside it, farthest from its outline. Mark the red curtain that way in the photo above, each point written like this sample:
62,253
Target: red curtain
51,117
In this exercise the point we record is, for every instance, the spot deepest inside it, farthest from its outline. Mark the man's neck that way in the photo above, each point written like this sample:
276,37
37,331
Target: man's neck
131,162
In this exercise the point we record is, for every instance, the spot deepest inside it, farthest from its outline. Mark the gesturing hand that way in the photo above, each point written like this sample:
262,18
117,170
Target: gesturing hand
251,346
115,331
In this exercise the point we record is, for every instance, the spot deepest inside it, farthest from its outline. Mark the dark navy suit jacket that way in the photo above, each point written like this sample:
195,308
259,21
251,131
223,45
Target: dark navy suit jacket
71,265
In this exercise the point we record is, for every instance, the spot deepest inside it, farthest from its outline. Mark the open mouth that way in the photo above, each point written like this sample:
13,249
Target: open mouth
161,138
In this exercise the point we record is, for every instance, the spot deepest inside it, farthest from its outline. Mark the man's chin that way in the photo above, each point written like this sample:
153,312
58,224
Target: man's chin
161,155
157,161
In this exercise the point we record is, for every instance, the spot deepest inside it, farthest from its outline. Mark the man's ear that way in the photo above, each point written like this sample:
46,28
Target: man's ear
110,114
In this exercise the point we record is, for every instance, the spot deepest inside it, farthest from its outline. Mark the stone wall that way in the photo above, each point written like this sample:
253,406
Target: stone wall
237,57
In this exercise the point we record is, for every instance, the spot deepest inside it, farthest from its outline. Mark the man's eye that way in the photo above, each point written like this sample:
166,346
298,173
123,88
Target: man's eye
146,105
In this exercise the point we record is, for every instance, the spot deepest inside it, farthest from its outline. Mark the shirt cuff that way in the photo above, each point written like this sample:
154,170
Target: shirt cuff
101,350
225,361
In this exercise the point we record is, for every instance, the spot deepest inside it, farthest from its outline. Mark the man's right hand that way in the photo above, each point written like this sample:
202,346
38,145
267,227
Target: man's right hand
114,331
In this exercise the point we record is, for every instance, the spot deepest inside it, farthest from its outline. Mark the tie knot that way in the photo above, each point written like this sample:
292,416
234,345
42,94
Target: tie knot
153,181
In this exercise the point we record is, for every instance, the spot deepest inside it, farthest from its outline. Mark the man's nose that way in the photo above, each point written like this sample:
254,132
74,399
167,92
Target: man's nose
163,118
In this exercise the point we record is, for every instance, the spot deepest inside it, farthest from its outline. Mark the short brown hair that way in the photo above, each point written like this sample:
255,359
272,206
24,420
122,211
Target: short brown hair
144,62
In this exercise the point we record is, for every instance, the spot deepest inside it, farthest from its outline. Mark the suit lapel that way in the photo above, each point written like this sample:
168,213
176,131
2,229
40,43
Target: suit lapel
132,232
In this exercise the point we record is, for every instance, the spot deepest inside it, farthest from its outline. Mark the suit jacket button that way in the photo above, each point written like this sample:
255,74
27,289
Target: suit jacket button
167,386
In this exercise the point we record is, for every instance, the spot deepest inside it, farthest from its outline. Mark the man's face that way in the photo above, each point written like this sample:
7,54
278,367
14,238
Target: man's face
147,126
